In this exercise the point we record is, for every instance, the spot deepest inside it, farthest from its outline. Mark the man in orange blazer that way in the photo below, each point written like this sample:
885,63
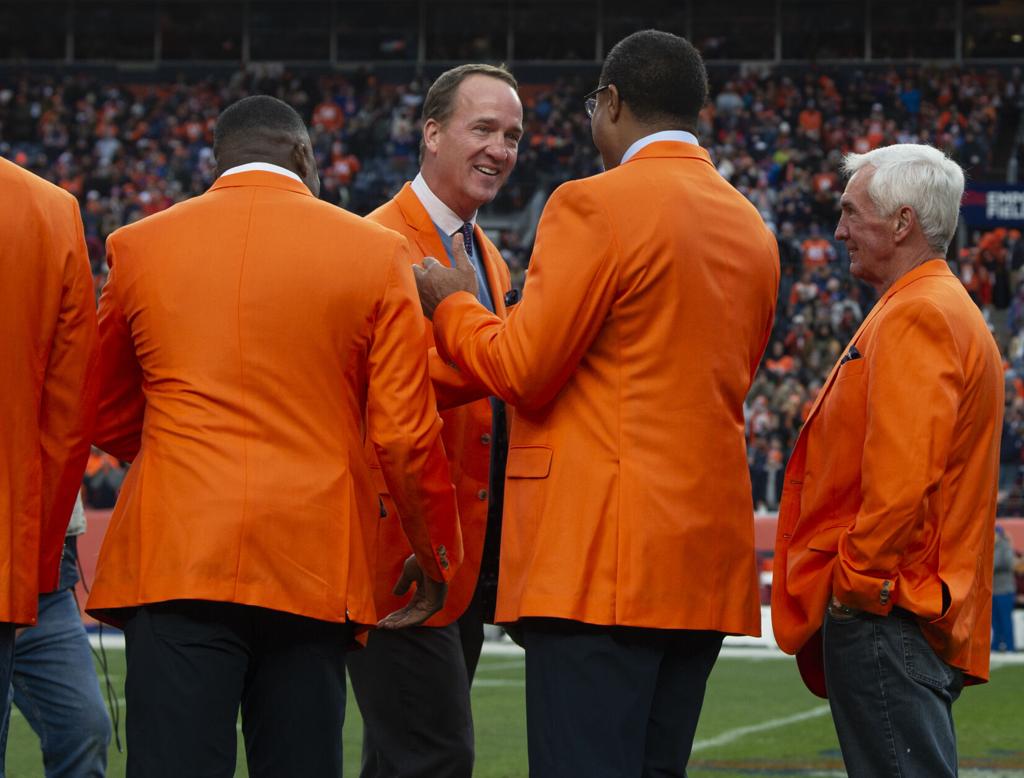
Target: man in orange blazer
472,122
251,339
628,538
883,559
48,350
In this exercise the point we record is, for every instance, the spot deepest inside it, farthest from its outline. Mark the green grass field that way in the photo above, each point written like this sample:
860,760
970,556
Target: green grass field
758,720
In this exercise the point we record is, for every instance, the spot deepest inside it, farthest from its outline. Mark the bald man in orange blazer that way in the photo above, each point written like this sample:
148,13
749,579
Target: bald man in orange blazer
48,350
628,536
472,122
251,340
883,559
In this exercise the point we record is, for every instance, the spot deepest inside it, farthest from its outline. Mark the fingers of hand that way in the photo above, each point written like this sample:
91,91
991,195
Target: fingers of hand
402,585
459,253
412,614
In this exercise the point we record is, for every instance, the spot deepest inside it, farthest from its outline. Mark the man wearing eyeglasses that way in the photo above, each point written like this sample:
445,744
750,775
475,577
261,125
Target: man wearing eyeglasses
628,542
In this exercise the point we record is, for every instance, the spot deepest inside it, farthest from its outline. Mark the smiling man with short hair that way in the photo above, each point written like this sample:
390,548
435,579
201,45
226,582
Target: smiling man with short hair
472,123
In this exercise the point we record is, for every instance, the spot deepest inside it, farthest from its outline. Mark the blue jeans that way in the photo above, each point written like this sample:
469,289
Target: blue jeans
6,668
1002,622
891,697
56,689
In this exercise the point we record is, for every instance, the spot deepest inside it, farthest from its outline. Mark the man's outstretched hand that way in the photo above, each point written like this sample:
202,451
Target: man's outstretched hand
435,281
427,600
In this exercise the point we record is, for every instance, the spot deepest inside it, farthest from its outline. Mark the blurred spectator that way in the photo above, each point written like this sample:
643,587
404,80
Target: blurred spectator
127,150
1004,589
103,477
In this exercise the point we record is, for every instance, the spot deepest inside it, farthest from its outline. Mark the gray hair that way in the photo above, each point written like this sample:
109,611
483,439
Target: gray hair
917,176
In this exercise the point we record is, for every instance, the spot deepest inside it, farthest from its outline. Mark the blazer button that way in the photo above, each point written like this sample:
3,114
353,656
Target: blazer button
485,438
482,494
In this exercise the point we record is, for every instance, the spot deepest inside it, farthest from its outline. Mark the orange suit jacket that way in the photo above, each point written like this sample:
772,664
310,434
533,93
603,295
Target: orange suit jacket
647,306
466,431
890,493
245,336
47,353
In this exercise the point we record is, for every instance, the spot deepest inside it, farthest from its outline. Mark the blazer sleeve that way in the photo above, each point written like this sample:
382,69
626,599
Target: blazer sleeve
914,383
455,387
122,404
570,287
452,386
404,427
68,401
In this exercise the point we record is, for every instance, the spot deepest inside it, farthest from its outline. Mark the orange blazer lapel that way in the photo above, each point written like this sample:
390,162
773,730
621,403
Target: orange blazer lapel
427,239
429,242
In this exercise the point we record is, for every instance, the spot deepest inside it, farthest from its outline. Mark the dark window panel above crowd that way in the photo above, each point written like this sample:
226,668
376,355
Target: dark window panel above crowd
201,30
33,31
555,30
994,29
897,31
734,29
467,30
823,29
300,30
377,30
115,29
624,17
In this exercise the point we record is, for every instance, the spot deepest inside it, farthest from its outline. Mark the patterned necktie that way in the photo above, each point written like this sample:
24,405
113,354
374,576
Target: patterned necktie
467,237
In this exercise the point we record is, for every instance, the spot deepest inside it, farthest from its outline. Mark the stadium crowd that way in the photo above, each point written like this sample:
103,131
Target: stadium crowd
127,150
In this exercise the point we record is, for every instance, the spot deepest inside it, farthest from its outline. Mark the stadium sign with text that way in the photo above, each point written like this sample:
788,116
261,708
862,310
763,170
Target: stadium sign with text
994,206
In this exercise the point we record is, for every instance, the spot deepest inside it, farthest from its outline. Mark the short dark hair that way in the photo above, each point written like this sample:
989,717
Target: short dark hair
440,100
660,76
256,115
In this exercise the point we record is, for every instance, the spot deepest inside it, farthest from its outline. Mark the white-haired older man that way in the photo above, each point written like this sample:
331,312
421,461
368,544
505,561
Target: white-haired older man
883,566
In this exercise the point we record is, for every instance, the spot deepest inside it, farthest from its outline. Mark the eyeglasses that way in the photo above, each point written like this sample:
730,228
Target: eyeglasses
590,101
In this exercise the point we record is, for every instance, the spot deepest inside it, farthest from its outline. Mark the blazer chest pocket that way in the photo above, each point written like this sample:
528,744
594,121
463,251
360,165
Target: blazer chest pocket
851,369
528,462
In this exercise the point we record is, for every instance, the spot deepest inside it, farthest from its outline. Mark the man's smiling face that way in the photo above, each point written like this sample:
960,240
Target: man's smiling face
472,153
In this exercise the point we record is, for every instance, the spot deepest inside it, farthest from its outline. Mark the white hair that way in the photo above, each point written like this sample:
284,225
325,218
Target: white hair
918,176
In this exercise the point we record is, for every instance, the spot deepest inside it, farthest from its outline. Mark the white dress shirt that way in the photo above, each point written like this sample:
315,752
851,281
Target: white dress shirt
266,167
676,135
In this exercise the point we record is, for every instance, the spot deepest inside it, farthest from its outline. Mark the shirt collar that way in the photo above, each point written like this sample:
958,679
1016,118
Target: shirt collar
266,167
676,135
444,217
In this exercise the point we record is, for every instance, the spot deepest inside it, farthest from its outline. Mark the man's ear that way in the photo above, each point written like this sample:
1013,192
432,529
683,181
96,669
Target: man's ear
300,159
614,109
431,134
905,219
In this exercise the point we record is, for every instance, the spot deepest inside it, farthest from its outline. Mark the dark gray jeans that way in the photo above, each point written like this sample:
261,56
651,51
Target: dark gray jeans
891,697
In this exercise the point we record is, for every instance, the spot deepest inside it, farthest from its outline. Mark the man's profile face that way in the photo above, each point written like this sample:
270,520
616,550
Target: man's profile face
867,234
476,148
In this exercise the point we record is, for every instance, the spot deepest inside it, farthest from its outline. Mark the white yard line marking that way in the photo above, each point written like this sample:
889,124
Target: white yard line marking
486,667
732,735
497,682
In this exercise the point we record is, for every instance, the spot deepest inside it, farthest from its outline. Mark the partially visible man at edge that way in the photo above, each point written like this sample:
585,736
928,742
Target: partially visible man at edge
246,335
47,357
883,559
628,535
472,123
